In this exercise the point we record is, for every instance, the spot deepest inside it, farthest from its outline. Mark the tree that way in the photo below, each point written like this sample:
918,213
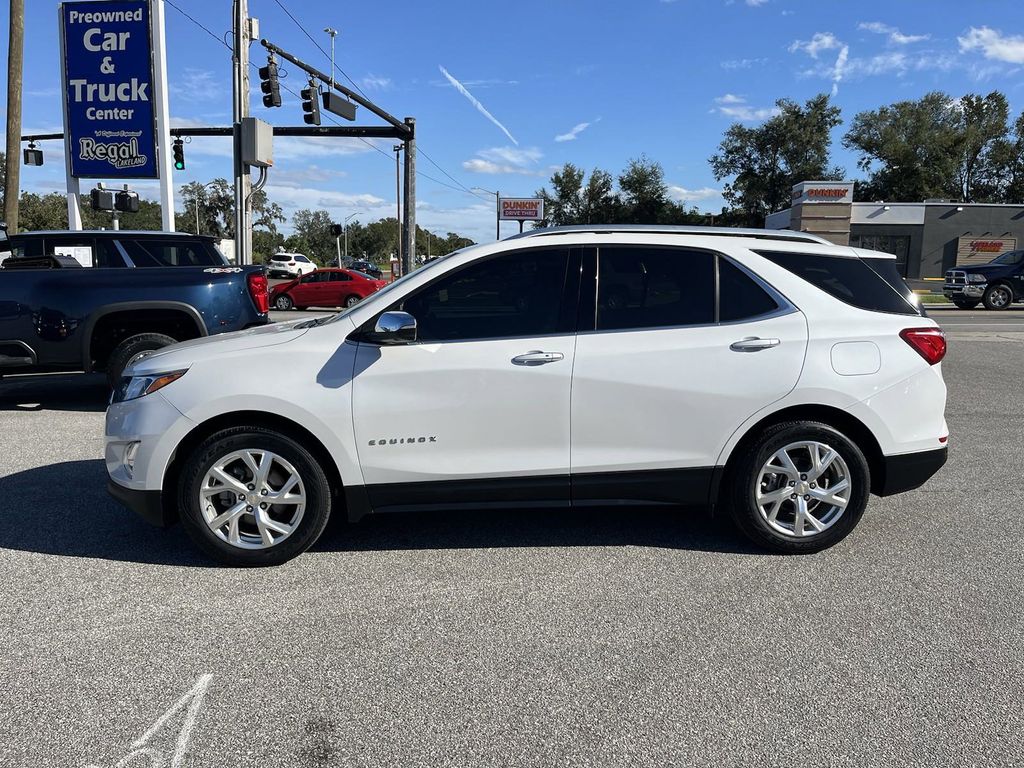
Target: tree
765,161
911,149
1007,165
313,231
642,197
982,125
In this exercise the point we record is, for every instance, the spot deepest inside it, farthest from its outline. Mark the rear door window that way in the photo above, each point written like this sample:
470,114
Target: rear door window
740,296
155,252
851,280
641,287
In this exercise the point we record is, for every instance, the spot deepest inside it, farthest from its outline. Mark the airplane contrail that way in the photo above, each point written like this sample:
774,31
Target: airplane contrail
476,103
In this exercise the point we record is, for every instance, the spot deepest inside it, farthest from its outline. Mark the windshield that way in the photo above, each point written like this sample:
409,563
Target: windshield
386,289
1013,257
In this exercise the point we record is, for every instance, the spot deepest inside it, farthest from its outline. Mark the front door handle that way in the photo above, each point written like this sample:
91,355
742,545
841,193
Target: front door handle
753,344
536,357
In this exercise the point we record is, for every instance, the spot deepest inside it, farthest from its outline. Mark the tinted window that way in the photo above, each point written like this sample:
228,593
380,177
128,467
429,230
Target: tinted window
363,275
171,253
850,280
1013,257
740,297
518,294
301,258
339,277
281,257
29,246
654,288
316,277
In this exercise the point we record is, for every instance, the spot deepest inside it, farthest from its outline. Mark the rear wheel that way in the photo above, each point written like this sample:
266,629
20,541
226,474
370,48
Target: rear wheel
998,296
800,488
283,302
351,301
964,304
252,496
132,349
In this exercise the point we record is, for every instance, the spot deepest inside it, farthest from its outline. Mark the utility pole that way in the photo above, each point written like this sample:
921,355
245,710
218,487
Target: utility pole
410,198
398,208
15,58
243,182
163,116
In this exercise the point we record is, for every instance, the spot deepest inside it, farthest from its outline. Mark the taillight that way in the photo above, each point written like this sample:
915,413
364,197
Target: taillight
291,263
929,343
258,291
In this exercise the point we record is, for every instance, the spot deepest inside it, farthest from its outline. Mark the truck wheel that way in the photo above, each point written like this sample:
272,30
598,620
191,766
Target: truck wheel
998,296
962,304
252,496
131,349
800,487
283,302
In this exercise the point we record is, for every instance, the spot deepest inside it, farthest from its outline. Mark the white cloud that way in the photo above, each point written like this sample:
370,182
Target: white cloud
198,85
993,44
737,108
822,41
574,132
895,36
513,155
743,63
476,103
479,165
515,160
682,194
839,69
375,83
755,3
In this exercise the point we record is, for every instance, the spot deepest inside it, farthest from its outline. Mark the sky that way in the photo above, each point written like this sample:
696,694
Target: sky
503,93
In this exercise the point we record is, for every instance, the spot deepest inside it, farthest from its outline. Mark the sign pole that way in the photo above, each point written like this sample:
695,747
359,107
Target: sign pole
162,111
497,215
73,190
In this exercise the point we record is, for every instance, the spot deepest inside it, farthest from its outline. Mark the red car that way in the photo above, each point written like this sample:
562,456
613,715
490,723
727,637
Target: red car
325,288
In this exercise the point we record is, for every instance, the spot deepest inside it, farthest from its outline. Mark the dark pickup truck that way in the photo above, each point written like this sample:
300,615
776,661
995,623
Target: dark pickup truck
996,285
96,301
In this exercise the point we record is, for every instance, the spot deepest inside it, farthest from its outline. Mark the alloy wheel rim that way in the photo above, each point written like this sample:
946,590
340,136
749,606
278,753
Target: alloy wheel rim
803,489
252,498
999,297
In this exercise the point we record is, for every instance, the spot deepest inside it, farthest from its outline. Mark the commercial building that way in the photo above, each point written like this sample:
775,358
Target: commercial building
927,237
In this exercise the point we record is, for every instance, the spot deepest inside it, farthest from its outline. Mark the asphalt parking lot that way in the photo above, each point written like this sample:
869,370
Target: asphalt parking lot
619,637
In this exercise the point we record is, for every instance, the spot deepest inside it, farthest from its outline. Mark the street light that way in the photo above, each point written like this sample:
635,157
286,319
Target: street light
346,232
333,33
497,209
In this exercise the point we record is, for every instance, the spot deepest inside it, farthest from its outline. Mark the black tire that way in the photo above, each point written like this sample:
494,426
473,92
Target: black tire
966,304
745,474
283,302
308,529
351,301
131,348
998,297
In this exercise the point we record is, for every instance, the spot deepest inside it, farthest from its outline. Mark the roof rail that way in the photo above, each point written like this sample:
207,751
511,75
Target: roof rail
673,229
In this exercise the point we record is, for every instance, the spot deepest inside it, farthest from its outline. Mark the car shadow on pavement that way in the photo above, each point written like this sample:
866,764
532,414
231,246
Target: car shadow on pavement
55,392
63,509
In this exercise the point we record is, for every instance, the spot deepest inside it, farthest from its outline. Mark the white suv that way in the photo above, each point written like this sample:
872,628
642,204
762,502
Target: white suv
289,265
770,374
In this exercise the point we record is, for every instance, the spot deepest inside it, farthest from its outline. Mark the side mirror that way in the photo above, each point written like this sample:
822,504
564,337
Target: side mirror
395,328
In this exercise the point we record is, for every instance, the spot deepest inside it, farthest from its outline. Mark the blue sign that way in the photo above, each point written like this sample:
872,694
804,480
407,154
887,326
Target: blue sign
108,84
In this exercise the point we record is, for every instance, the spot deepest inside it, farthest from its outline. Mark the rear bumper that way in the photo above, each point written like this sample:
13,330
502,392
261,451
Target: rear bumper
147,504
908,471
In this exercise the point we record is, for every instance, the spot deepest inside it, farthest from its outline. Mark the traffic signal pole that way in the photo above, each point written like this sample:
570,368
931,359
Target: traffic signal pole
243,182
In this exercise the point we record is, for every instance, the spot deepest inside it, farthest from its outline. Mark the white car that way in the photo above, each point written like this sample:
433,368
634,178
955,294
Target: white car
289,265
769,374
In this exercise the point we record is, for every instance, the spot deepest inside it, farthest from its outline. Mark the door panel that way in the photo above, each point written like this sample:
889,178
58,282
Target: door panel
670,398
448,411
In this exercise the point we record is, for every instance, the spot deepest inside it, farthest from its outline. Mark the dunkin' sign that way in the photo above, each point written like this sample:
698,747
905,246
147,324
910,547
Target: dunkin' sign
521,209
823,192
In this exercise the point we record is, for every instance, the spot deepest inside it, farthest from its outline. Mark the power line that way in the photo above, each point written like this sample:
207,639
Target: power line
198,24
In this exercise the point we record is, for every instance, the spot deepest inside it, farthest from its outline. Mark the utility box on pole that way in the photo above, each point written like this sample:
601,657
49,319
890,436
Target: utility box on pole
257,142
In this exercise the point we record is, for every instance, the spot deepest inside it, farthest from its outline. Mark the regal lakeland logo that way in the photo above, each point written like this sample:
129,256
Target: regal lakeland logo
120,154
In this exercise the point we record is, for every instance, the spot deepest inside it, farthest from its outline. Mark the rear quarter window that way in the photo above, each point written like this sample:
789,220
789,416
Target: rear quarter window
861,283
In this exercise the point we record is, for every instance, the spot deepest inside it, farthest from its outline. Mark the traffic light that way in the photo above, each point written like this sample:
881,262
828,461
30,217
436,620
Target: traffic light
311,103
337,230
127,201
101,199
269,84
178,149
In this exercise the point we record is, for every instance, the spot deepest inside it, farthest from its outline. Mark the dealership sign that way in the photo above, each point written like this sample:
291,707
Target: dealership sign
108,89
975,249
521,209
823,192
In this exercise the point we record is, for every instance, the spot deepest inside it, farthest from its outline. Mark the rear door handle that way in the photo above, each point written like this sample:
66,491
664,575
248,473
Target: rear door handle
753,344
536,357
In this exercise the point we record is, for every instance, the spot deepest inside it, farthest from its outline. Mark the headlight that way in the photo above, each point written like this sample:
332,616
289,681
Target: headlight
977,279
134,387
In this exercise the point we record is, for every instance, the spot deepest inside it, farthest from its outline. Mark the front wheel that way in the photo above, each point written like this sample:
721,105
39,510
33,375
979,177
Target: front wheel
284,302
962,304
252,496
800,488
998,296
